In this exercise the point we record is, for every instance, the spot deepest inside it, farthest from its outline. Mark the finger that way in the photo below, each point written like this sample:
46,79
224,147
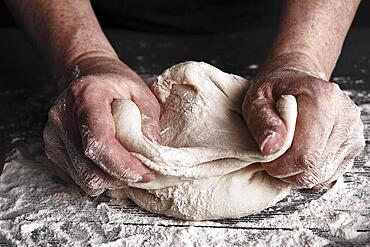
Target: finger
348,151
89,177
54,148
349,128
150,113
264,123
308,176
333,165
302,163
97,130
336,149
343,167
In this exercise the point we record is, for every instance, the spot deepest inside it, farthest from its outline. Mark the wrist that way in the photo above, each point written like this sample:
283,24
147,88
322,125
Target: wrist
73,48
96,62
297,60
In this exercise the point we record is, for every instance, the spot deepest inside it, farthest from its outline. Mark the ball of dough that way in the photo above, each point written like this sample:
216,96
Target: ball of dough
208,164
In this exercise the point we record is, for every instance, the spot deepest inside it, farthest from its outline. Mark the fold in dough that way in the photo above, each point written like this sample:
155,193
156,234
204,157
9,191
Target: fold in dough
208,164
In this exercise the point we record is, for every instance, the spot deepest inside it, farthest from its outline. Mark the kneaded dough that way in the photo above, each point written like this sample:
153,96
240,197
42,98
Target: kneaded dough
208,164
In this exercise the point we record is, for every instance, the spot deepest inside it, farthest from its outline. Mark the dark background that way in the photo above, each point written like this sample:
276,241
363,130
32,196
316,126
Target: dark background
263,13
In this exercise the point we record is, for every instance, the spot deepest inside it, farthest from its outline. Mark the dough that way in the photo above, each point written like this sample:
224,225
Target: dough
208,164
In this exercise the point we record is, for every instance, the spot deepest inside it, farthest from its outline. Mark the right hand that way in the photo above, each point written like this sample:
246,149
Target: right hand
328,134
80,132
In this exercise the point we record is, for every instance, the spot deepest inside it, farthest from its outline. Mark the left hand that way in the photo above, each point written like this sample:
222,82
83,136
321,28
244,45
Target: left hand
328,135
80,135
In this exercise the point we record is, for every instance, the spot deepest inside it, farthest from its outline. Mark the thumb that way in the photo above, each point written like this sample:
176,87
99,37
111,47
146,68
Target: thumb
264,123
150,113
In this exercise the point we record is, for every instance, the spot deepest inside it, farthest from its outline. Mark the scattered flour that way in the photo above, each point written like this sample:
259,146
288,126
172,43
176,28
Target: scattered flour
38,209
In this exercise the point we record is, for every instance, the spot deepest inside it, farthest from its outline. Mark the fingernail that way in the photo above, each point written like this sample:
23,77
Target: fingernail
147,177
272,143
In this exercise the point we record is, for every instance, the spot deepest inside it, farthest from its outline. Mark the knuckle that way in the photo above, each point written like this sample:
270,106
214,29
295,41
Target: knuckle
349,110
304,181
359,129
354,112
357,112
361,144
359,147
94,192
358,139
92,145
315,86
355,129
87,83
85,175
330,88
312,167
129,175
91,181
309,160
333,87
309,179
93,149
257,90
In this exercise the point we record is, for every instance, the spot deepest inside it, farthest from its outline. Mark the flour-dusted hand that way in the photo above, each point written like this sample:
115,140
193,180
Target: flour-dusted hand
329,131
80,132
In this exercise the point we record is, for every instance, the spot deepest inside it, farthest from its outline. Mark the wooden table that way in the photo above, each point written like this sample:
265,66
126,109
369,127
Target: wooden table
26,95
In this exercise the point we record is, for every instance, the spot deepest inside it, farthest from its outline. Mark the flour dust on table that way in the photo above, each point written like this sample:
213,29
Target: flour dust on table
208,164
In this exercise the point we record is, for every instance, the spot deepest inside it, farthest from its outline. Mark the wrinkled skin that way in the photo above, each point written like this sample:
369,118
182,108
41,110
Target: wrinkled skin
80,133
328,135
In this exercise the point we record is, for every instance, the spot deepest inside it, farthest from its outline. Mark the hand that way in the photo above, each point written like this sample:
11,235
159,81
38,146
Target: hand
80,132
328,135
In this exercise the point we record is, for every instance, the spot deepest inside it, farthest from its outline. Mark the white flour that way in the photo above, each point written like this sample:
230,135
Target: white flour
36,209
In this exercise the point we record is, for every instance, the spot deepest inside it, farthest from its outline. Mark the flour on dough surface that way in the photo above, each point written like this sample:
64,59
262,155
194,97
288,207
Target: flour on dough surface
208,163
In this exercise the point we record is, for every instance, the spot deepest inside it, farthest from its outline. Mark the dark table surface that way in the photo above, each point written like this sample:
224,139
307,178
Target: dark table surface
26,92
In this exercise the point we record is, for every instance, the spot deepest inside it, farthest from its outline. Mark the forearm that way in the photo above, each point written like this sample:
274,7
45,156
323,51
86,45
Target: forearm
311,35
64,32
